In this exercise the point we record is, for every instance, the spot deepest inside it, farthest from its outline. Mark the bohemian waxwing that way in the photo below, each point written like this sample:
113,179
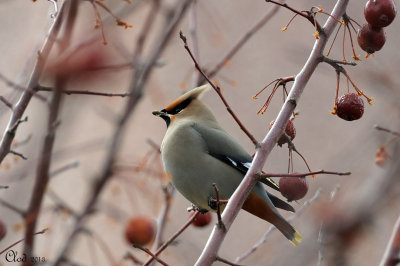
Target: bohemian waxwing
197,153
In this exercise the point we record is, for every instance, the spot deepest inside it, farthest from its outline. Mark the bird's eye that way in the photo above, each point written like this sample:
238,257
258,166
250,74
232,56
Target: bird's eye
180,107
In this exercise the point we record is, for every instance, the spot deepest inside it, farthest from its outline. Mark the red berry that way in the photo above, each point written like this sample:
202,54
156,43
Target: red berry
202,219
293,188
3,230
380,13
350,107
140,230
290,131
371,39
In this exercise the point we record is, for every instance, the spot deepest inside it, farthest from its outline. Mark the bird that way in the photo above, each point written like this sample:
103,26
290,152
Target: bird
198,154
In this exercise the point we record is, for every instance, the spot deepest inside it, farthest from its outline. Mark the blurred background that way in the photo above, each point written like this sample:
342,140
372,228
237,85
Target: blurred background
356,224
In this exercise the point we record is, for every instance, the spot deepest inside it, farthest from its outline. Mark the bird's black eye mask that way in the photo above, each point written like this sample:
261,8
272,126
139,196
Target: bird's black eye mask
179,107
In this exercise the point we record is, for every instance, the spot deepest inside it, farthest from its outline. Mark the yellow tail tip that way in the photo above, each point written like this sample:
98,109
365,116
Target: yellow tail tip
296,240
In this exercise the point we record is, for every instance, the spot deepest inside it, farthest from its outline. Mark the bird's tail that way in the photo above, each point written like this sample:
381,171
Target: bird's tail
257,206
288,231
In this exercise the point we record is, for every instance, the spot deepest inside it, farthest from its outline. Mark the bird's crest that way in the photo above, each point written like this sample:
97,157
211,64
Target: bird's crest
185,99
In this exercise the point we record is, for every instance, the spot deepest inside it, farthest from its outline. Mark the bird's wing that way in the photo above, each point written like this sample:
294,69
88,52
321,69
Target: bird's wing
225,148
280,203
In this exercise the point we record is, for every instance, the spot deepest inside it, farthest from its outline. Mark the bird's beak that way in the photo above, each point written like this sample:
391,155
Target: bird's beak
164,115
158,113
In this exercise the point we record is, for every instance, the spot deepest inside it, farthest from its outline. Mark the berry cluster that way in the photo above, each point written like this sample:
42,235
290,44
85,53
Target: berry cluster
379,14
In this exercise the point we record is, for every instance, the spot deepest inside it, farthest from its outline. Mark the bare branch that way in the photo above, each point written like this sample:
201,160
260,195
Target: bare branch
42,170
6,102
218,91
92,93
173,237
151,254
235,203
19,241
264,175
26,96
387,130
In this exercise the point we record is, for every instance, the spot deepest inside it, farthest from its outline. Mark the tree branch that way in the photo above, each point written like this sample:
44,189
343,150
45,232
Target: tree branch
26,96
217,236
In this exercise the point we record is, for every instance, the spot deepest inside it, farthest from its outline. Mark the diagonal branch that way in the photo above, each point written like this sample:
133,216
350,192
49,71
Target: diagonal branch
216,238
26,96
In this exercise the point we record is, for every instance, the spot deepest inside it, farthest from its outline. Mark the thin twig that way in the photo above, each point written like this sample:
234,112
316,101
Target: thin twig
19,241
173,237
218,203
218,91
6,102
306,14
85,92
195,42
18,154
387,130
264,175
151,254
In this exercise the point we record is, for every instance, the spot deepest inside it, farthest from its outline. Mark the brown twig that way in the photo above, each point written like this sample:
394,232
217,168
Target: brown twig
309,15
264,175
42,171
218,203
85,92
239,196
19,241
218,91
151,254
18,154
173,237
387,130
6,102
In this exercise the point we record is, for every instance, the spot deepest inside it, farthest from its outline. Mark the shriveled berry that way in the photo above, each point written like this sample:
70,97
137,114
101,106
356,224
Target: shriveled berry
290,130
350,107
371,39
140,230
293,188
3,230
380,13
202,219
